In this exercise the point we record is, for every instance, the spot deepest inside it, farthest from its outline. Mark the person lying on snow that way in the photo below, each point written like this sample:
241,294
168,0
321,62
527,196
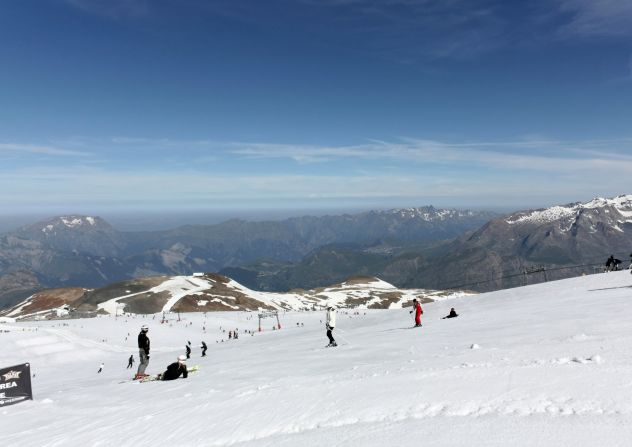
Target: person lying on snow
176,369
452,314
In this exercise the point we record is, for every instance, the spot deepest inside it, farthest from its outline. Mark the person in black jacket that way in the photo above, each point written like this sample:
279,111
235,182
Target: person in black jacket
188,350
143,351
610,263
176,369
452,314
204,348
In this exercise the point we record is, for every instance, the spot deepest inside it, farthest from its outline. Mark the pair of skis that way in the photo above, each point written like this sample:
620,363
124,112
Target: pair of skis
149,378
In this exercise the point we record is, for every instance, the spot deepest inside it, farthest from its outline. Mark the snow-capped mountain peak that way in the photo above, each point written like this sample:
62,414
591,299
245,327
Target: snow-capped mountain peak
619,207
430,213
69,222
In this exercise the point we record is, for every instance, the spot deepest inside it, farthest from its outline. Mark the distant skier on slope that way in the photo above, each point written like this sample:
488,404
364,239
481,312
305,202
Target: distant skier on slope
452,314
100,368
176,369
130,361
418,312
612,264
609,263
188,348
204,348
143,351
330,324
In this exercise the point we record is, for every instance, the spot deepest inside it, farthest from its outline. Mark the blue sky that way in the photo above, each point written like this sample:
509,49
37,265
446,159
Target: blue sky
230,105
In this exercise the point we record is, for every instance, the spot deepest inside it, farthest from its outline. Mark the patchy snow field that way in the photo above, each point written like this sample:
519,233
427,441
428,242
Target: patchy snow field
549,364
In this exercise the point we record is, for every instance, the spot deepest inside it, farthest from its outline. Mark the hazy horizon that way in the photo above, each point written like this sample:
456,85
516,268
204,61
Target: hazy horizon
166,219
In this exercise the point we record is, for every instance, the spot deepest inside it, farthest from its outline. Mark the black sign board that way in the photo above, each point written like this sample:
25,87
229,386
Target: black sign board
15,384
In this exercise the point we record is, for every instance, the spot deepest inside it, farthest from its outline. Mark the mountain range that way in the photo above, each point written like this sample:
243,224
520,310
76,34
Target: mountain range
86,251
521,248
424,248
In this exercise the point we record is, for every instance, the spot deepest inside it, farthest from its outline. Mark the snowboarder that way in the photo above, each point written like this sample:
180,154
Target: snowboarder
452,314
130,361
330,324
100,368
188,348
418,312
204,348
143,351
176,369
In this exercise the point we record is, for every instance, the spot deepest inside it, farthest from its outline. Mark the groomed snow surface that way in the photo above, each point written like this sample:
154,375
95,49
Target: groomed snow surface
544,365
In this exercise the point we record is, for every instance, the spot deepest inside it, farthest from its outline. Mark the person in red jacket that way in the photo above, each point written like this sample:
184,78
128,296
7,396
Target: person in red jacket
418,311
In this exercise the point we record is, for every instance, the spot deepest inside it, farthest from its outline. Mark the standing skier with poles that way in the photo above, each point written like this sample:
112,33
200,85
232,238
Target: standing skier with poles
418,311
188,348
204,348
330,324
143,352
130,361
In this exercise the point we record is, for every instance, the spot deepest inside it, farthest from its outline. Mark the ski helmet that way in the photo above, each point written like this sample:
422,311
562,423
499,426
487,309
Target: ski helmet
182,358
144,328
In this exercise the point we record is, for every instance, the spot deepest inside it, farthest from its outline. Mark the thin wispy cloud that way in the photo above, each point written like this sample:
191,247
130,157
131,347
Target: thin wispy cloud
597,17
528,154
408,31
113,9
40,149
534,152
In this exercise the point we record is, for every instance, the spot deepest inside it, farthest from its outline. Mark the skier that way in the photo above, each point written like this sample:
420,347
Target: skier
610,264
100,368
204,348
330,323
130,361
188,348
176,369
452,314
143,351
616,264
418,311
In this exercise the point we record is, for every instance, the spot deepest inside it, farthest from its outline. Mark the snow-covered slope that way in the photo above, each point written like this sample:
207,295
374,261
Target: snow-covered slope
541,365
212,293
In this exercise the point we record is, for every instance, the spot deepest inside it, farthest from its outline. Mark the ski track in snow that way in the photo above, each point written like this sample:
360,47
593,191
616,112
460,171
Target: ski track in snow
552,363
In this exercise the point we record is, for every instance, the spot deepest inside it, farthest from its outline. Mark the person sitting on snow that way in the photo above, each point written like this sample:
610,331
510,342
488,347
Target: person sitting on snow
176,369
452,314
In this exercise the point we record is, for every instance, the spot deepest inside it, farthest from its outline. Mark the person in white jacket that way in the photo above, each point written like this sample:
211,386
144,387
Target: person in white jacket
330,324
